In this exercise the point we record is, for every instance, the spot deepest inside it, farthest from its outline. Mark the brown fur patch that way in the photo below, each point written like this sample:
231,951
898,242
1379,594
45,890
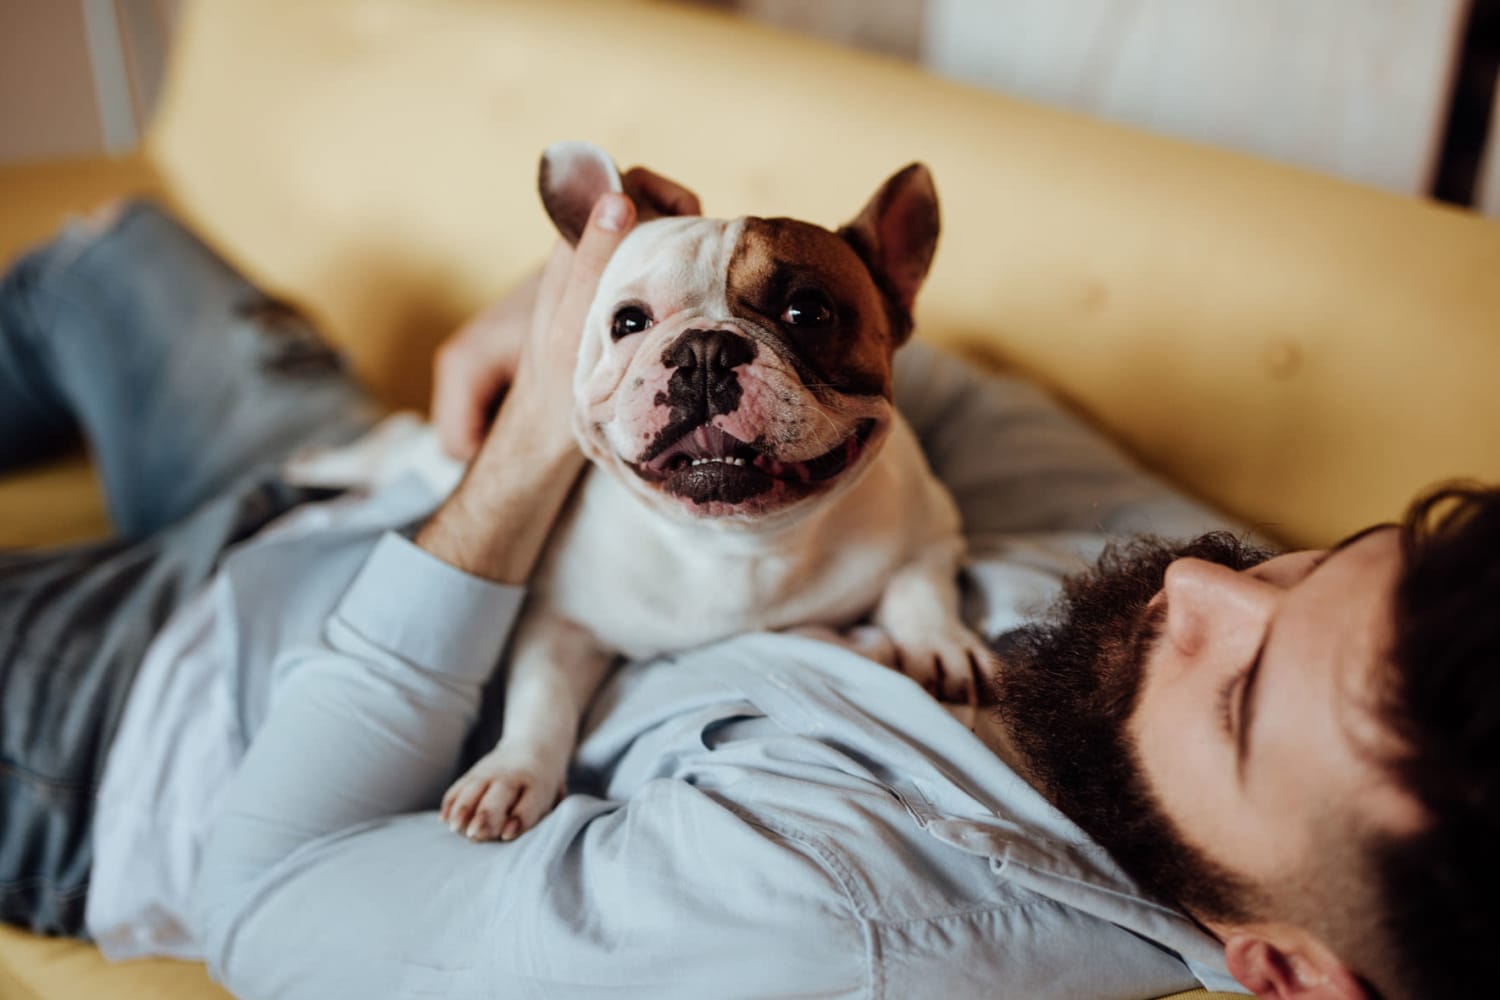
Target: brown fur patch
776,258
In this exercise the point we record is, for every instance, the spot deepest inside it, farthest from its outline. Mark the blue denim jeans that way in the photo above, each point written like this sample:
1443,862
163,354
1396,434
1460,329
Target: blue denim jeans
190,387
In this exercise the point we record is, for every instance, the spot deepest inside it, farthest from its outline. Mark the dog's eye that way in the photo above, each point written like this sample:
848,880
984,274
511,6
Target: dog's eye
808,309
630,319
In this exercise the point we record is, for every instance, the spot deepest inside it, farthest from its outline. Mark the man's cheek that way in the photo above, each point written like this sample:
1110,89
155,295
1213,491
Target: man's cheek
1165,744
1187,764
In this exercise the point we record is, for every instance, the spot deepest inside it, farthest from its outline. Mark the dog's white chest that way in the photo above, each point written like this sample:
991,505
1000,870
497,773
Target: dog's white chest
645,585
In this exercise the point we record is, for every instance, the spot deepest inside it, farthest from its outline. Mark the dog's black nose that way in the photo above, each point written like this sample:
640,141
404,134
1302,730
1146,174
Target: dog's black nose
711,352
704,381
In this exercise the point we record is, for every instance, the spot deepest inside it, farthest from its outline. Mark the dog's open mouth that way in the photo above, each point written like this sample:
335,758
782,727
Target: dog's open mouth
707,465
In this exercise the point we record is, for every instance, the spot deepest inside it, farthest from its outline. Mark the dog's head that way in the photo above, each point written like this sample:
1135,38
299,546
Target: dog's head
740,369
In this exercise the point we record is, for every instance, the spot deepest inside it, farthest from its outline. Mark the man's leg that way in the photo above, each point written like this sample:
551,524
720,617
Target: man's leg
74,627
184,377
191,387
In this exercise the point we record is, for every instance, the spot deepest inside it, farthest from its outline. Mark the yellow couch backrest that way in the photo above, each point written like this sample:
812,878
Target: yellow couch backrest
1304,352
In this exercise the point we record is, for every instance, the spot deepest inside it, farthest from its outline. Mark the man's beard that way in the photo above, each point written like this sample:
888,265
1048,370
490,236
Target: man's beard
1066,691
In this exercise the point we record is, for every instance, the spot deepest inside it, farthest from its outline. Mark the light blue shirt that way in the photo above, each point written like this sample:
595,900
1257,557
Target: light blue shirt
768,816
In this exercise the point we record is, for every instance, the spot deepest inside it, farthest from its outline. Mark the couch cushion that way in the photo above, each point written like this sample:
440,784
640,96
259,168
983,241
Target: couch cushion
1303,351
37,968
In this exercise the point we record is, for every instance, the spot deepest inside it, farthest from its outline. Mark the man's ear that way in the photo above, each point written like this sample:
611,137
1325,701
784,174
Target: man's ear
571,177
896,234
1285,962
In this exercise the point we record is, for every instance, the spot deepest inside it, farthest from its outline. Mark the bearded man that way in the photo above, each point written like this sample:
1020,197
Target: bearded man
227,731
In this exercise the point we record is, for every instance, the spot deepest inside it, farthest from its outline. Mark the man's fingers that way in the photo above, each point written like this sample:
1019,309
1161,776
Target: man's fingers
453,379
610,221
475,365
550,289
466,385
658,195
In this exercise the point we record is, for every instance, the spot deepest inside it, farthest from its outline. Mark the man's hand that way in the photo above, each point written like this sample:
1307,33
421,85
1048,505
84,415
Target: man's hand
475,365
480,361
495,523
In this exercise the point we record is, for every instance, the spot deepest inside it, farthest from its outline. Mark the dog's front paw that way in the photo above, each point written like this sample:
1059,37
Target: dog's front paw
951,662
502,796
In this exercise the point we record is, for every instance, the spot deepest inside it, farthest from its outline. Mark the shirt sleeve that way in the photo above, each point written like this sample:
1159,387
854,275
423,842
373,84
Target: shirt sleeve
328,874
368,722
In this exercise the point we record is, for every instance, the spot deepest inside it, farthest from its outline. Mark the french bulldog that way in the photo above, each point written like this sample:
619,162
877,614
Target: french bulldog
749,472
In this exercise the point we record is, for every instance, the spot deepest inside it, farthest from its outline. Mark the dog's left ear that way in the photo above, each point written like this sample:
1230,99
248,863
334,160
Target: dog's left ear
571,177
896,235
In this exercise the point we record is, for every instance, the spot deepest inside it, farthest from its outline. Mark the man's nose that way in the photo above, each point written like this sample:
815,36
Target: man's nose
1213,608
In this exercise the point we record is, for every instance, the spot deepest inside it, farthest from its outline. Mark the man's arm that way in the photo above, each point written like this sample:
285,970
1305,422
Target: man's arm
368,723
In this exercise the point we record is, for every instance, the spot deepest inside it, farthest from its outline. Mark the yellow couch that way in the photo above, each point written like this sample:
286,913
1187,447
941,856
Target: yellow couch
1301,351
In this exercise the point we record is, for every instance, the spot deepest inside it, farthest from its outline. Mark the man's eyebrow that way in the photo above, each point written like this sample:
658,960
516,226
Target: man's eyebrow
1247,692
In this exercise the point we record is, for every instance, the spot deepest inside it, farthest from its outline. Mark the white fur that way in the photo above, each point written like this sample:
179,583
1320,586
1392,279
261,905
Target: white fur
628,571
645,584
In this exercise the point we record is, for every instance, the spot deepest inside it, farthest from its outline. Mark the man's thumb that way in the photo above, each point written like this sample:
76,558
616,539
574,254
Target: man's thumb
608,225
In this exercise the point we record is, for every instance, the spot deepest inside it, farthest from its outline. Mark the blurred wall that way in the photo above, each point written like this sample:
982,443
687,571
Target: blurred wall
47,99
79,77
1358,88
1395,93
1488,194
894,27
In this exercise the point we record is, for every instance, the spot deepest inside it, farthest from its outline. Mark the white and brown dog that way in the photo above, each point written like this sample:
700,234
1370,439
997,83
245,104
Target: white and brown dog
733,392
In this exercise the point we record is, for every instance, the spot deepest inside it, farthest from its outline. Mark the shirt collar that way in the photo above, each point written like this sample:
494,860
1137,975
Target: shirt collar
957,789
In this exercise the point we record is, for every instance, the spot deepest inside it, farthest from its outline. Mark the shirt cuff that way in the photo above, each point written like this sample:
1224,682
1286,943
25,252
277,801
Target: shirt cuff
429,613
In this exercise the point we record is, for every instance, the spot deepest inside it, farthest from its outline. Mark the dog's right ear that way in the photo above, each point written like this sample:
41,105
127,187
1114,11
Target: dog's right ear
571,178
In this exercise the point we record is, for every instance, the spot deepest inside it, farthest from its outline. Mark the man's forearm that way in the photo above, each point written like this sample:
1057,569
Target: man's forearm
496,522
367,722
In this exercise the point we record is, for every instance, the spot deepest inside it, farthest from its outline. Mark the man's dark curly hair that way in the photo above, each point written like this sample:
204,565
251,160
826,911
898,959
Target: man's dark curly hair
1440,888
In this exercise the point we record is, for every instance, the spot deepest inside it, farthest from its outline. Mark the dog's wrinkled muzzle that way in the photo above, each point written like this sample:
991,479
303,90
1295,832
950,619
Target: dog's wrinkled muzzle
705,382
707,465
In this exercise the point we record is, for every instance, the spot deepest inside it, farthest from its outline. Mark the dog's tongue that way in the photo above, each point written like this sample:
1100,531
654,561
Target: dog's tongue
707,441
703,441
